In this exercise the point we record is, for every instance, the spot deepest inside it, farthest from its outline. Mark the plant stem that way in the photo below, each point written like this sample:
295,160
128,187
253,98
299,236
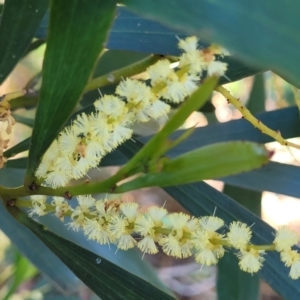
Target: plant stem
116,76
276,135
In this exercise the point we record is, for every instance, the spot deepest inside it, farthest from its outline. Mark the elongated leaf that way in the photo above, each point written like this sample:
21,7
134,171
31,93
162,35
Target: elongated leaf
232,282
26,121
19,163
107,280
22,146
77,32
135,33
285,120
274,177
204,163
256,101
19,23
238,25
35,45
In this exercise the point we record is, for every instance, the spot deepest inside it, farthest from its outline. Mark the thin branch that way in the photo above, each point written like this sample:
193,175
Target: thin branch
276,135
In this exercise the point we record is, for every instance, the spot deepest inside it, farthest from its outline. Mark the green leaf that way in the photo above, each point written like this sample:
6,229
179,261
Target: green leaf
212,161
19,163
256,101
35,45
156,145
106,279
232,282
263,34
19,23
21,147
26,121
77,32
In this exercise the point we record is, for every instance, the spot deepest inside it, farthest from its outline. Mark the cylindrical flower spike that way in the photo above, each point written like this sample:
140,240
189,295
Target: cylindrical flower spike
81,146
180,235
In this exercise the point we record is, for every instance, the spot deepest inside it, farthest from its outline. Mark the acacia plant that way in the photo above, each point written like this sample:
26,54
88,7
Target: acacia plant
109,67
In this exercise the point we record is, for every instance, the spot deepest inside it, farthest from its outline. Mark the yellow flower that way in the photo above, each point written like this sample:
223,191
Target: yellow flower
239,235
178,242
291,258
285,238
250,260
38,206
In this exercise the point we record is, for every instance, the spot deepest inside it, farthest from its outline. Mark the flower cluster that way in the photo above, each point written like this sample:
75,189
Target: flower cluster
81,145
177,234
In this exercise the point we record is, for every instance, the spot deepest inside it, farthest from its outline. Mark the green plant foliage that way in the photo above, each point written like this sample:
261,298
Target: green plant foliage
77,33
235,285
238,285
26,121
238,25
18,163
20,147
208,162
19,22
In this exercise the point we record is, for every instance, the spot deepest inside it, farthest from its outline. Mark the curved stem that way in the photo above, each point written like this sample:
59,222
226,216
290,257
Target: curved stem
116,76
276,135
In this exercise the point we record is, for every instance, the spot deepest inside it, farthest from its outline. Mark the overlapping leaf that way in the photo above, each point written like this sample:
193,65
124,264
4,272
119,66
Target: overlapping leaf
133,32
258,32
204,163
241,285
78,30
19,22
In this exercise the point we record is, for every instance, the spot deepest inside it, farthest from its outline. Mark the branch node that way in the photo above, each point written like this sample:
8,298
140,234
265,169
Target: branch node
33,187
67,195
11,203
